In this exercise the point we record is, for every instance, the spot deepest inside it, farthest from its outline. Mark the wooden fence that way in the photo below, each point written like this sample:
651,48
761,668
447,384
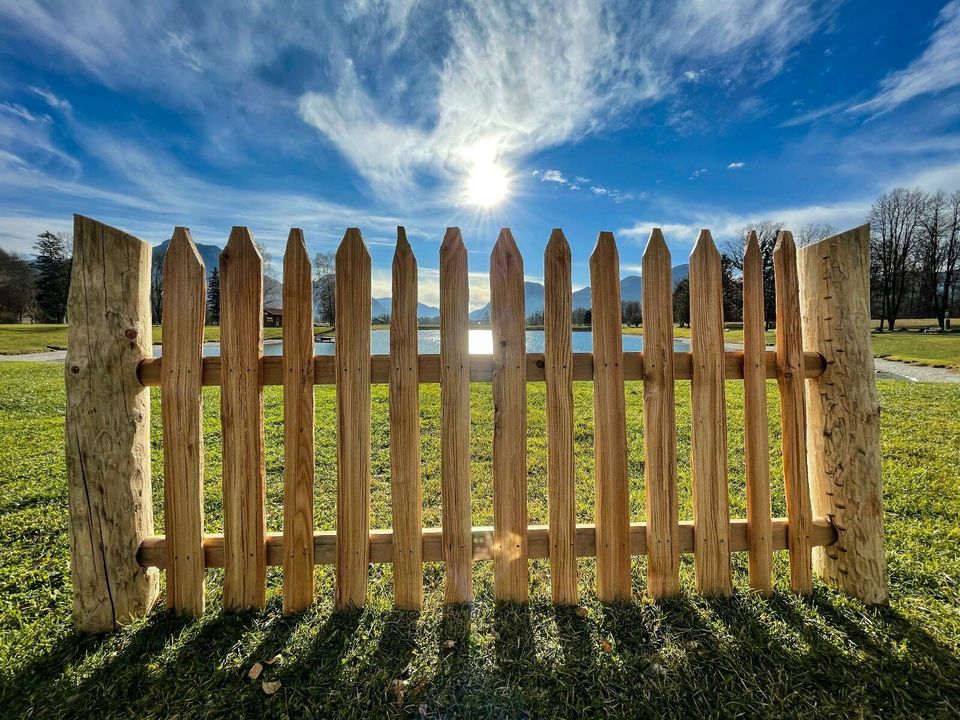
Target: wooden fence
829,416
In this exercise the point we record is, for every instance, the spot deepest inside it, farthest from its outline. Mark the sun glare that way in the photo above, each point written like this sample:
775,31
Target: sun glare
487,184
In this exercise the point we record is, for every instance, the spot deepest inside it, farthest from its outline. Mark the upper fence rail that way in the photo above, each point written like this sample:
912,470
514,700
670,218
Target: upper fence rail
245,549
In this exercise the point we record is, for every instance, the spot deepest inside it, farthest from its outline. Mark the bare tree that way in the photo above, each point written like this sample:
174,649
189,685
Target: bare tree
894,221
631,313
936,252
767,231
16,284
813,232
324,287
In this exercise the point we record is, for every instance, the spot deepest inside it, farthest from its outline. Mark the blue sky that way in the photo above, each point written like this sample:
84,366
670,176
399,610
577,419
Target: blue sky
598,116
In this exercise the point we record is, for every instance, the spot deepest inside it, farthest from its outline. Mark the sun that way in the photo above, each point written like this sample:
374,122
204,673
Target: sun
487,184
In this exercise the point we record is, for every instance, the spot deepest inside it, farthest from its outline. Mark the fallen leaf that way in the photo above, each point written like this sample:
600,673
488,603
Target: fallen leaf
275,660
399,690
449,644
581,611
270,687
606,646
255,671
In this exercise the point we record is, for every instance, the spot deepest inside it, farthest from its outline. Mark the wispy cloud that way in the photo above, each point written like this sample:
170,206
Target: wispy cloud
937,68
698,173
735,165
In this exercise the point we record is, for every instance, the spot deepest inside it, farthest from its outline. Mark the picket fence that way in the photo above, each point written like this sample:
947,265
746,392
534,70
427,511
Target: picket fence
830,459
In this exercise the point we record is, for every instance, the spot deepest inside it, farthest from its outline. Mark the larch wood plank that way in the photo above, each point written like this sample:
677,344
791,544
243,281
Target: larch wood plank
353,419
184,312
298,440
507,321
241,417
756,427
659,421
843,424
708,432
455,417
793,412
558,374
610,432
107,418
407,493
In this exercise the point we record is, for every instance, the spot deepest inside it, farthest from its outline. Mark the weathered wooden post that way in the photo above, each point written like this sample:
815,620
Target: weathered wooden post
108,426
843,428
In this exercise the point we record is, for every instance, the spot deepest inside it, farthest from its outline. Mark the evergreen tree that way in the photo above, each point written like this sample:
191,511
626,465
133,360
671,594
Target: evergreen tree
213,298
52,268
681,303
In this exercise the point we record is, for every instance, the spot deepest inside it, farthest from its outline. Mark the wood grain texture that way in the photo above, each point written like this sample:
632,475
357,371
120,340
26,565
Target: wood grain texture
241,416
406,490
108,426
181,408
755,420
152,551
558,375
480,368
507,322
843,430
793,412
455,417
610,431
298,441
708,431
659,421
353,419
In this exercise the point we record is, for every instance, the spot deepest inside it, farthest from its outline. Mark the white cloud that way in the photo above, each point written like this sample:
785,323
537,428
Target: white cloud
57,103
937,69
698,173
554,176
735,165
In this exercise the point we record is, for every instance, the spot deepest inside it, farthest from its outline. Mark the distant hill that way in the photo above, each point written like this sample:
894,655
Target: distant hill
423,310
631,288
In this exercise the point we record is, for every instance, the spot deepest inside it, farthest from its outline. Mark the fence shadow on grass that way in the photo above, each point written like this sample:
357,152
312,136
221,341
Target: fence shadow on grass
688,657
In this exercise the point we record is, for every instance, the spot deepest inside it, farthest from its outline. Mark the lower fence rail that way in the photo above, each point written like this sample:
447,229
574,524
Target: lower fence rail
152,552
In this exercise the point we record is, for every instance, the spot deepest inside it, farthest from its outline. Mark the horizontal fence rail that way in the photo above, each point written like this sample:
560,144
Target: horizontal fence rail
246,549
480,367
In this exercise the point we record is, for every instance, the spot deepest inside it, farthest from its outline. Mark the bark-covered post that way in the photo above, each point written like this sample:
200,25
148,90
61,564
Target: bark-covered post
843,425
108,426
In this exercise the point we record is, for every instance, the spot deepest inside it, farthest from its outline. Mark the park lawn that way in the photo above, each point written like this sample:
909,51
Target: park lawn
826,656
920,348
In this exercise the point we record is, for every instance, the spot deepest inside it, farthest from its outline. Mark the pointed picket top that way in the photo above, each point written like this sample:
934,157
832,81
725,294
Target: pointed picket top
784,243
656,248
182,250
296,245
605,248
705,247
403,246
753,248
240,244
353,245
505,251
557,246
452,240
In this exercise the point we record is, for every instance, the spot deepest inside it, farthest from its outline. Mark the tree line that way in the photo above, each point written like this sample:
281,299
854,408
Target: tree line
914,269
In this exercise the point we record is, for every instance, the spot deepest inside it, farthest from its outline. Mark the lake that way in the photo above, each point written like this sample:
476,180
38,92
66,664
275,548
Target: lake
428,341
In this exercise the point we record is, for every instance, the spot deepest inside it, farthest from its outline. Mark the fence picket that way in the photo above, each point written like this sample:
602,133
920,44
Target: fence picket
455,418
558,374
184,305
507,321
756,429
298,449
793,413
406,490
610,431
241,415
708,432
353,419
659,421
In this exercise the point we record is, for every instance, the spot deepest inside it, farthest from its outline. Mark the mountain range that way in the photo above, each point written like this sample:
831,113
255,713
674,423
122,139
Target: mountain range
631,288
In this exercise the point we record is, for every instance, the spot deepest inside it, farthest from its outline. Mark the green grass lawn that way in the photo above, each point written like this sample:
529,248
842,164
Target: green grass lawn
826,656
